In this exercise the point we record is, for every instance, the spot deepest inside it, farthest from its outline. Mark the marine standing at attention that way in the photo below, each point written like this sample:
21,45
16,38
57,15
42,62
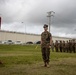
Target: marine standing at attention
46,42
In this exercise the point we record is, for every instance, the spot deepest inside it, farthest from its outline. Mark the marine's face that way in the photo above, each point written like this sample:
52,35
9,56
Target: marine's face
45,28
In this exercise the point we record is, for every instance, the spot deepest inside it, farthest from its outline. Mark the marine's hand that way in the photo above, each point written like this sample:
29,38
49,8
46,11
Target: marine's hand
50,46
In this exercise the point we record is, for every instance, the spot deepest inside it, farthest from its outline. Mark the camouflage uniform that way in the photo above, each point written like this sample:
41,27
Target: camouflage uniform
67,46
56,46
60,46
52,46
70,46
73,45
64,46
45,37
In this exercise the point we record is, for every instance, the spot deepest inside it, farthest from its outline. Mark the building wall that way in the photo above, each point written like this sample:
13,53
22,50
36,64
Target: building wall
5,35
61,38
16,36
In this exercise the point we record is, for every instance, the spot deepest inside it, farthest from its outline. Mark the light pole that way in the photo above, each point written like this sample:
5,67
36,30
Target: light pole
50,13
0,21
24,31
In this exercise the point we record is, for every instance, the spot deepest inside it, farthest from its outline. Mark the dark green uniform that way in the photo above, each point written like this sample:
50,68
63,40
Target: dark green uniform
45,37
60,46
64,46
56,46
67,46
70,46
52,46
73,45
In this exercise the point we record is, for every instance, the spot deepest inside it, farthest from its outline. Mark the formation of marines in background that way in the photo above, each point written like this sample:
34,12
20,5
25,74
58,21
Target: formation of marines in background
64,46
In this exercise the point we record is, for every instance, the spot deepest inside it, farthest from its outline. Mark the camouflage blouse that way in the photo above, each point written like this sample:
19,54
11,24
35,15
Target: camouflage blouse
45,37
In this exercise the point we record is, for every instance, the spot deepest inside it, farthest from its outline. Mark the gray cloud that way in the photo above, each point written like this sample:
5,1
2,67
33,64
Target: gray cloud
33,13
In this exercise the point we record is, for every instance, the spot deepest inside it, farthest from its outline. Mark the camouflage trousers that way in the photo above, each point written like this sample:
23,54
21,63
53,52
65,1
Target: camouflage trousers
56,48
45,54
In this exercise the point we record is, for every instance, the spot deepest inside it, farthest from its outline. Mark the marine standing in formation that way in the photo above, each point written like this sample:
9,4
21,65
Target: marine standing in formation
65,46
46,42
60,46
52,46
56,46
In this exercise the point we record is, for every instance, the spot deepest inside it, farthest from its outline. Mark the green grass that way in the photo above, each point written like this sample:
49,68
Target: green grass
27,60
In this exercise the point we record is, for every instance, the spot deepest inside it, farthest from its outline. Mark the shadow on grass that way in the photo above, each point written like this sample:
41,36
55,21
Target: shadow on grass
2,64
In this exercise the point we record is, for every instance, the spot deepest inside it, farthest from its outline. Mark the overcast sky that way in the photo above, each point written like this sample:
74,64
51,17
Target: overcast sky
30,16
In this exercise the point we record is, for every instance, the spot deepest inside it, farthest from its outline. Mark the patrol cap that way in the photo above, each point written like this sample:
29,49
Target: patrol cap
45,25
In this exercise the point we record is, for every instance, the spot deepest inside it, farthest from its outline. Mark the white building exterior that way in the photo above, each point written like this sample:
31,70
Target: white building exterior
25,37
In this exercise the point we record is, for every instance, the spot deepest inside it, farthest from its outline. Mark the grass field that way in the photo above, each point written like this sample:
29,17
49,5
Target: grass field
27,60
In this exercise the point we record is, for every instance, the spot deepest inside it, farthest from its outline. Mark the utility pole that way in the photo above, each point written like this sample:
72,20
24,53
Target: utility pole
0,21
24,31
50,13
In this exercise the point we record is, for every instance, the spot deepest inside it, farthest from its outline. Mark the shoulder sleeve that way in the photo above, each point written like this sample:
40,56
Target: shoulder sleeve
50,35
41,34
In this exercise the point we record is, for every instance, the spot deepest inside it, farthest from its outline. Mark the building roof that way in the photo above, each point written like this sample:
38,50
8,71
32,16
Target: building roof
32,34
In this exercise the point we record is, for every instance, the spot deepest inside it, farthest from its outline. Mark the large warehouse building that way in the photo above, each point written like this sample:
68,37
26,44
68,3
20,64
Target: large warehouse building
24,37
